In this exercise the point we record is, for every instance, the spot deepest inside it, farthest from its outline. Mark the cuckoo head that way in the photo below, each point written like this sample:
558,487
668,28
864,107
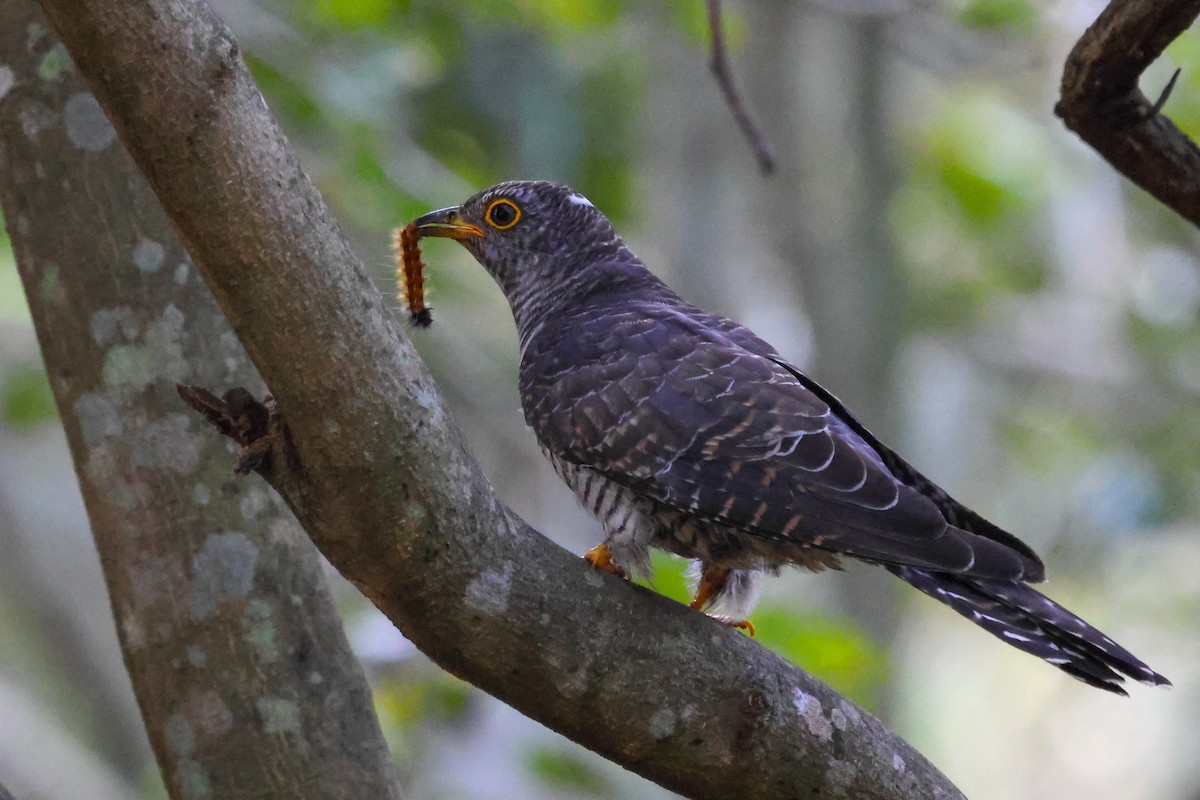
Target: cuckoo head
537,239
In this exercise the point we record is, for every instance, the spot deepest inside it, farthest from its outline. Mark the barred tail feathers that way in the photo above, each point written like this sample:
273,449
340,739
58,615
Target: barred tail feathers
1028,620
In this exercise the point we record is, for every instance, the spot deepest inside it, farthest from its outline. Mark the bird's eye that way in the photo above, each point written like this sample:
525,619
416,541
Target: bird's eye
502,214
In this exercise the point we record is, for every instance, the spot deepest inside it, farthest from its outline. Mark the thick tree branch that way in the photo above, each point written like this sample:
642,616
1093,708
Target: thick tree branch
380,479
245,681
1101,101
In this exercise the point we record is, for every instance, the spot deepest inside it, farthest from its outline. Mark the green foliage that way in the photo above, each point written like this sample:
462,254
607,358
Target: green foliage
290,97
1183,107
830,647
12,297
416,104
569,16
965,217
413,697
564,771
25,396
1017,16
668,576
353,14
987,156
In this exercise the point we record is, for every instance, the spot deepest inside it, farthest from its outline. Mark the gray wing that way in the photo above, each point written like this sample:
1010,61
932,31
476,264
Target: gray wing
681,413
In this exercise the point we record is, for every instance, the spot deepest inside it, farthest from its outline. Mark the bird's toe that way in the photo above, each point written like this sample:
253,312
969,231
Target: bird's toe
600,557
733,622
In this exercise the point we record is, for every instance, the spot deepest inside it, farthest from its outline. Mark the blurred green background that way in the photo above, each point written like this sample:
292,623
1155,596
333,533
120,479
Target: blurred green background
935,248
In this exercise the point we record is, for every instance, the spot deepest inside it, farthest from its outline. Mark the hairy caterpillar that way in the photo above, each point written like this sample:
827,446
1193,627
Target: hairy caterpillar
410,275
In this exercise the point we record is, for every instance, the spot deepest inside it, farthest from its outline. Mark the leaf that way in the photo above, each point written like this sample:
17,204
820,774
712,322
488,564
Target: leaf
563,770
1013,15
353,14
830,647
25,397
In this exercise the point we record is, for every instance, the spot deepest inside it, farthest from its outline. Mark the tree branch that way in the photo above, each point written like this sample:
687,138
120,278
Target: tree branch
379,477
719,64
1101,101
245,681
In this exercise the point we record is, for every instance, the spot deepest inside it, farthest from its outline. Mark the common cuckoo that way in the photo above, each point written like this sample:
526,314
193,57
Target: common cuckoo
683,430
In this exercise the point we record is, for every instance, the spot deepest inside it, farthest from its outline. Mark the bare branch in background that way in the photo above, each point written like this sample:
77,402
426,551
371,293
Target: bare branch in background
719,64
378,475
1101,101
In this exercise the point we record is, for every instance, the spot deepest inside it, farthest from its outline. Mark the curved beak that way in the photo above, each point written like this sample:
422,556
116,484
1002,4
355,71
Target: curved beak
447,223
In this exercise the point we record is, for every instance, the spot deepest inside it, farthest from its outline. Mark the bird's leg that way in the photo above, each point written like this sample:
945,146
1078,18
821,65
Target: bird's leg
712,581
600,557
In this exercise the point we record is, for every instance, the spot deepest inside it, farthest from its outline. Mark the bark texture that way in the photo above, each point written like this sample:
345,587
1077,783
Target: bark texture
1102,103
378,475
246,683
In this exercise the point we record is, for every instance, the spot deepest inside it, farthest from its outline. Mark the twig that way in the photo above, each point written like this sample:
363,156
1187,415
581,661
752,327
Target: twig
733,98
1166,94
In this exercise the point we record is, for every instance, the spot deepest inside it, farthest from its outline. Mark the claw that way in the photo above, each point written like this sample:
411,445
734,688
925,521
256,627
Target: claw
741,624
600,557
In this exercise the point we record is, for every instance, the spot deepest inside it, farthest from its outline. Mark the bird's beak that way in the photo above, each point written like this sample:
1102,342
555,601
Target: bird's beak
447,223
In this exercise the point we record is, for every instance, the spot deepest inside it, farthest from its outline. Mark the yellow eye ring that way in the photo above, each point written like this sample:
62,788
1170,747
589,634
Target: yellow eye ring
502,214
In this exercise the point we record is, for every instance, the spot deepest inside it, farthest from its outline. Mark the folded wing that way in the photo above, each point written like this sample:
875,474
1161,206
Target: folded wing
693,420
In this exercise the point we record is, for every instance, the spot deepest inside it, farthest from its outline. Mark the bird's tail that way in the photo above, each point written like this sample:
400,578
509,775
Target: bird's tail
1030,621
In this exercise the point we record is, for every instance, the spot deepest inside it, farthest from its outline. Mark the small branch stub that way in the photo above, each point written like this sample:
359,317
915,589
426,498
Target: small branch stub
256,427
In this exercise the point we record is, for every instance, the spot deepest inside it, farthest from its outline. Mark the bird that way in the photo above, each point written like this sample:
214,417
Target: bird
682,430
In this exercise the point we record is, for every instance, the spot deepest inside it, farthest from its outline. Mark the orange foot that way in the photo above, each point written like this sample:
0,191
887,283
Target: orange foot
741,624
712,581
600,557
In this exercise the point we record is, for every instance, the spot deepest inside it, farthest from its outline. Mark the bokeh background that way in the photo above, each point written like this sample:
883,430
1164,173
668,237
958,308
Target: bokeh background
985,292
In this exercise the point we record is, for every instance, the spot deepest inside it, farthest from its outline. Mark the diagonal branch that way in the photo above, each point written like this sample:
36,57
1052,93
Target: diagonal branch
1101,101
379,478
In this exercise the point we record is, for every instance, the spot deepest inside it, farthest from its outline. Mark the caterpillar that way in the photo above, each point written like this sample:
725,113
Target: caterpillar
410,275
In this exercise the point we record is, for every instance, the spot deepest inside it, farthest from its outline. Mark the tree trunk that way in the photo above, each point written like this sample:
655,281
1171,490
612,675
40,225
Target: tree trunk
245,681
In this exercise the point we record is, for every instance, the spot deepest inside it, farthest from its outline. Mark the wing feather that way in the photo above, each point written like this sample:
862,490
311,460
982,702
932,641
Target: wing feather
689,418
